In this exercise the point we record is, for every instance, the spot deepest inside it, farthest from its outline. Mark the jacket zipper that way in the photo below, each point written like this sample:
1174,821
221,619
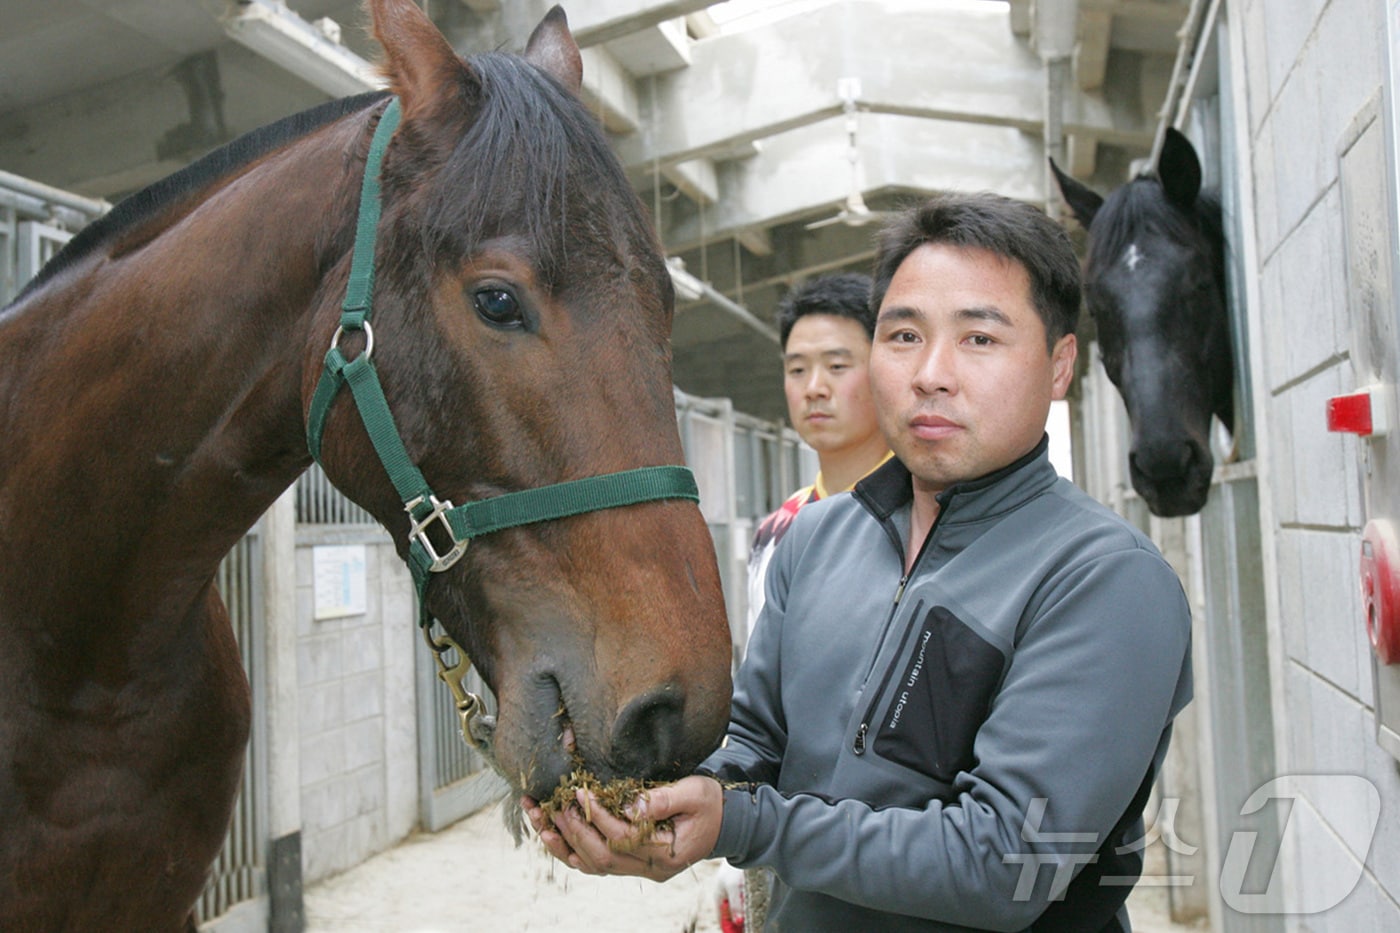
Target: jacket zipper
858,744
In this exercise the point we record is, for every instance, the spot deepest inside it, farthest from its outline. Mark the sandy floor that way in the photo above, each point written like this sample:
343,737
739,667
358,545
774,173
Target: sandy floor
443,883
471,878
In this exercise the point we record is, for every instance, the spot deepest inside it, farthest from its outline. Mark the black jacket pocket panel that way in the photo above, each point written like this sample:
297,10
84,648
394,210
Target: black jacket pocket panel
936,708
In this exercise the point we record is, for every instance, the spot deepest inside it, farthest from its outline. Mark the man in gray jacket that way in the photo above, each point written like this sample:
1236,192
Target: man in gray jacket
962,685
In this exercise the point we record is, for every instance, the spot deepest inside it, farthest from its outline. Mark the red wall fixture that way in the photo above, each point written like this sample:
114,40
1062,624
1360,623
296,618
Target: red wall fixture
1380,588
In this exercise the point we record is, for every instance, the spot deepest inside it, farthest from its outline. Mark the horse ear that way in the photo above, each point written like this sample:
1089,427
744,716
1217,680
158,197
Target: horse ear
553,50
1081,199
1179,170
419,62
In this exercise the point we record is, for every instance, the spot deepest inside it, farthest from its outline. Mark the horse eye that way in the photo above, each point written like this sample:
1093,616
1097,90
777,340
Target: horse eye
498,307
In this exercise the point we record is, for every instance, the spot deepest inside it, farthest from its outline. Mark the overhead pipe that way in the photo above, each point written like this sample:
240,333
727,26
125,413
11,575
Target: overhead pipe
1056,31
693,289
1188,38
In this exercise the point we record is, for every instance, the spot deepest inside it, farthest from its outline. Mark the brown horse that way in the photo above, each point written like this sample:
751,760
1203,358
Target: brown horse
155,383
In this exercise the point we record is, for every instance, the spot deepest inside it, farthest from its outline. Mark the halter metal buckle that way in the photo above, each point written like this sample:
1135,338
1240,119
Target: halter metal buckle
369,338
419,532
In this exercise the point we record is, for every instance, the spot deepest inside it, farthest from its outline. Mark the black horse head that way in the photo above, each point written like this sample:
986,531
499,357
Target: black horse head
1154,283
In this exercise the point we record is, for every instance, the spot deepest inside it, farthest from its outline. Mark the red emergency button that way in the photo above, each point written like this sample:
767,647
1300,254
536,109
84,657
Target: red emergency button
1380,589
1361,412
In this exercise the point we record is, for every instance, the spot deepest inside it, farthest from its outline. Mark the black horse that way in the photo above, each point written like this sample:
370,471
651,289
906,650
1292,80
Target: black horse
1154,282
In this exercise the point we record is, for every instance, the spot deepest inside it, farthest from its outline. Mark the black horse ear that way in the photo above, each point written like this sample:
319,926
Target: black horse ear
553,50
1179,170
1081,199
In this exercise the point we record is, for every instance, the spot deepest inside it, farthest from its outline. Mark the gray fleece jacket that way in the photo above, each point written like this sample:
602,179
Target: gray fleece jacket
948,751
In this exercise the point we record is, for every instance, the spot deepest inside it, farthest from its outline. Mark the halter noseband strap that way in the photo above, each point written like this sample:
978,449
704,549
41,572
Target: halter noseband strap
464,522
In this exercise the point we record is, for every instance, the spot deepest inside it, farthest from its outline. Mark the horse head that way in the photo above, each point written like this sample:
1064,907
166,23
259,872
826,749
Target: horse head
1154,284
522,328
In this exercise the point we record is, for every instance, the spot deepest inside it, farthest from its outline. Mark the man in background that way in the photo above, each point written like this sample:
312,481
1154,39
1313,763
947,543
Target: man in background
826,325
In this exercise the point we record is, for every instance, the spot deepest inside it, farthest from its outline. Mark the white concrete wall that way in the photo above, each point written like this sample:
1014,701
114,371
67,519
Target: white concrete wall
1307,69
356,711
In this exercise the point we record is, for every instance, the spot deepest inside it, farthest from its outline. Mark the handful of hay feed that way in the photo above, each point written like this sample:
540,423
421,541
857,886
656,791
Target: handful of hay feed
614,796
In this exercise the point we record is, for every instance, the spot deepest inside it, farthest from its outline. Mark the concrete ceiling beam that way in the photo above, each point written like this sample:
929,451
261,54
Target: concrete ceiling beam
102,141
1081,154
1140,25
756,240
653,50
1159,12
1091,58
805,170
768,80
1021,18
609,91
825,256
696,179
597,21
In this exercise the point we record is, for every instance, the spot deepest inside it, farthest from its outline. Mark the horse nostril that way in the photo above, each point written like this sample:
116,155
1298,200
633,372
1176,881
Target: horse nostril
649,733
1188,457
1166,462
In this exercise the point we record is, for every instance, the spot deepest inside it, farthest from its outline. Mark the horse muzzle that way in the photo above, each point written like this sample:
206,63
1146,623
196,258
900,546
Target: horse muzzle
1172,478
548,733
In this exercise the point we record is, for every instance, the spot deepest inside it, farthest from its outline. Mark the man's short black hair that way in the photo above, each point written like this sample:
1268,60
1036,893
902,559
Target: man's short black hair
1002,226
840,294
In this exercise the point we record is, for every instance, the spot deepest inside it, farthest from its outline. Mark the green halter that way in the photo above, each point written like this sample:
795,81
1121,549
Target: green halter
464,522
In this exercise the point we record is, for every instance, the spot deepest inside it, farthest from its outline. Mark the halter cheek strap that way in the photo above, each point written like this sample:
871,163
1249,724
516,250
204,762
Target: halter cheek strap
425,509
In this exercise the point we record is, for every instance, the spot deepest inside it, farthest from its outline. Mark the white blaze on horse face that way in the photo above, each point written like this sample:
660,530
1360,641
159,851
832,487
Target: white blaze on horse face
1132,256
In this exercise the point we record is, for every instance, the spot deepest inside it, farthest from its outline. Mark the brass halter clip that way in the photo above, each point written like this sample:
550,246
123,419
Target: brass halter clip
469,705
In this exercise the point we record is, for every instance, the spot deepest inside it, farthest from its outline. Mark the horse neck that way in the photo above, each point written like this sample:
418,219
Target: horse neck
155,391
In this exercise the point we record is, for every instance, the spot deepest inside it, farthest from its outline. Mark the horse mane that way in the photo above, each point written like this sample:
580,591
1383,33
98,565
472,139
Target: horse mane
151,200
512,172
1141,207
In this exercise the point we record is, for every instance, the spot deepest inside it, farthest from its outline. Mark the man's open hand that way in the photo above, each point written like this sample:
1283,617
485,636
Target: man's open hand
596,842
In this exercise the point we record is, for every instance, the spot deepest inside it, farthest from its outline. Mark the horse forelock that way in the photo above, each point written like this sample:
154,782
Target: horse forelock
1136,215
178,187
534,163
